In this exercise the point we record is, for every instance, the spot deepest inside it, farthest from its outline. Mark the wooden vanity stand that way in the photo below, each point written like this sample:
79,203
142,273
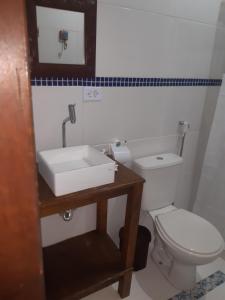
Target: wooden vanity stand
86,263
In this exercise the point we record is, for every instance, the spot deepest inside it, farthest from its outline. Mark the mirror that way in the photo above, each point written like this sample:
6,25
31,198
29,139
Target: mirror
62,35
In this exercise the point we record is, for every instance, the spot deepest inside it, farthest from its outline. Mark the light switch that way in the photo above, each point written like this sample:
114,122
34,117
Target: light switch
92,93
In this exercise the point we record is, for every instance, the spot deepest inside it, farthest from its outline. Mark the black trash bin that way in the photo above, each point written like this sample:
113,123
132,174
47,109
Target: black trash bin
141,252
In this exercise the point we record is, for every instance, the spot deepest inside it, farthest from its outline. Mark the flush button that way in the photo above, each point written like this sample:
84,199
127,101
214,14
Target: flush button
159,158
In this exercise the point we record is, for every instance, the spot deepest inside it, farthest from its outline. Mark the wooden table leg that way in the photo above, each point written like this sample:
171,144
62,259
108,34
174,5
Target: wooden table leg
130,236
102,209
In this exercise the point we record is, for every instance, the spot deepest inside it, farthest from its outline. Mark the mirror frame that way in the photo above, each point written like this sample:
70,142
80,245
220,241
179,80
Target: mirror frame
89,8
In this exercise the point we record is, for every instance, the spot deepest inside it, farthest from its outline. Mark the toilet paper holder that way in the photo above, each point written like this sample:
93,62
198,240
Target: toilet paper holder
121,152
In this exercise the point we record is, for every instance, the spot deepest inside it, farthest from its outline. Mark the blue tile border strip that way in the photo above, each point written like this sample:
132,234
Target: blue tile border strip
125,82
202,287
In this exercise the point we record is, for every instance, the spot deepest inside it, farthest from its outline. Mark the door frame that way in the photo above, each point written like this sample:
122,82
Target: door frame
21,267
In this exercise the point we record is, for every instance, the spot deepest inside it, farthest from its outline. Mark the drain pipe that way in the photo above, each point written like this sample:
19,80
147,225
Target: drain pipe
183,127
67,215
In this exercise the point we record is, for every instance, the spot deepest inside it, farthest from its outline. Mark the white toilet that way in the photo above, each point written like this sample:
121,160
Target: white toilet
182,240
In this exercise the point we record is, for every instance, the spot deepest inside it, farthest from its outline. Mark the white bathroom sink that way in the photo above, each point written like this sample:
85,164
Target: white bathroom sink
72,169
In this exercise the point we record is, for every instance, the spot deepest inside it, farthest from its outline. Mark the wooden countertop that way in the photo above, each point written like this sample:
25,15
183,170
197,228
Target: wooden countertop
50,204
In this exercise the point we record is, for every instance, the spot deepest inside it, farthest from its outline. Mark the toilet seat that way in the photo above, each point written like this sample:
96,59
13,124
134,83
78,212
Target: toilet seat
189,232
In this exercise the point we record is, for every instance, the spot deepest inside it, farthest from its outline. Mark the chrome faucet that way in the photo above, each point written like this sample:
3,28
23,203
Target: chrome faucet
72,118
67,215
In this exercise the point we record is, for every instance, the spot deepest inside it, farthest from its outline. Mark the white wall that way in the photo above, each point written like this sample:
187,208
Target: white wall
217,68
210,202
162,41
170,38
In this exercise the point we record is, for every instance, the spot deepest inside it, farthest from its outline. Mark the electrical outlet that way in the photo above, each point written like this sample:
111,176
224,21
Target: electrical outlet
92,93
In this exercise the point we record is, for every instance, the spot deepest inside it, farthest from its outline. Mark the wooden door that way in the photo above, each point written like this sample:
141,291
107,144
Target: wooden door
21,271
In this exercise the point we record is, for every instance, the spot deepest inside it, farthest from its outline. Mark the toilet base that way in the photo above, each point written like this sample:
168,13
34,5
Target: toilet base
181,276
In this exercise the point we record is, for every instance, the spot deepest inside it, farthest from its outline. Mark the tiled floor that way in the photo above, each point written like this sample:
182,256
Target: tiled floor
149,284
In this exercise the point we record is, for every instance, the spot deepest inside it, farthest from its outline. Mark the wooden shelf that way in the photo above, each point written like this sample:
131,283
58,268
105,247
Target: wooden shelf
79,266
50,204
86,263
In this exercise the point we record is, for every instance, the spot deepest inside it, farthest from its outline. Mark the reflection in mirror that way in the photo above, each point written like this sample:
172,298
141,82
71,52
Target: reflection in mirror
60,36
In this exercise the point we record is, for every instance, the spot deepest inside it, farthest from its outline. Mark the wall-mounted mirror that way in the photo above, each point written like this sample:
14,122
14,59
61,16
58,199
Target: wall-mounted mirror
62,35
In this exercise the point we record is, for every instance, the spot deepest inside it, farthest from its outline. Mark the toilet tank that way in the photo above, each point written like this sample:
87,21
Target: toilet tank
161,173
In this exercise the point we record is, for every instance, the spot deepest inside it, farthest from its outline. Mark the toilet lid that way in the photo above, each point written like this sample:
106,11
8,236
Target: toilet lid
189,231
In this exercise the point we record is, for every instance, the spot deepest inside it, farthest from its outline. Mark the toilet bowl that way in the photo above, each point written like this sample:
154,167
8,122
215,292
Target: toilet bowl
182,240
